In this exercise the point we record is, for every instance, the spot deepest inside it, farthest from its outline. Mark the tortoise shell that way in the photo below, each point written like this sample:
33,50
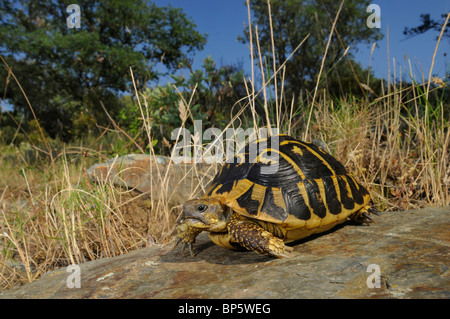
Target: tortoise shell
308,189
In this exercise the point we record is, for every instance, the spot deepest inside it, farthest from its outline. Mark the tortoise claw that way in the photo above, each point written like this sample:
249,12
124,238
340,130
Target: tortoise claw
286,253
191,248
176,244
183,247
363,216
366,218
374,210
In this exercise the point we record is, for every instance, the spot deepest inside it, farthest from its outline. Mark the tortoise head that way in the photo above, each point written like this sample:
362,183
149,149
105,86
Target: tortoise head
207,214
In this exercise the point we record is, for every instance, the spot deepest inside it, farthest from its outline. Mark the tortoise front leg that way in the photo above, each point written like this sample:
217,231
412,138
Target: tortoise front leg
253,237
186,236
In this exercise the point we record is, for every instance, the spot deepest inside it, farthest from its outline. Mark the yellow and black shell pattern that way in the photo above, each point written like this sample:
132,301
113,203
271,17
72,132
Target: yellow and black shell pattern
310,188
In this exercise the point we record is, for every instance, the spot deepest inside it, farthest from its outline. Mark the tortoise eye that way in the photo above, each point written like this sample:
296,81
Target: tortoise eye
201,208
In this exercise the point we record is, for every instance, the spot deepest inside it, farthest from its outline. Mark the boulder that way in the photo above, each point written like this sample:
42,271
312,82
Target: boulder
404,255
156,176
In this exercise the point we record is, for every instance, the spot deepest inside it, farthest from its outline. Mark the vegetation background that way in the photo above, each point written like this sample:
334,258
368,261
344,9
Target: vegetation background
82,96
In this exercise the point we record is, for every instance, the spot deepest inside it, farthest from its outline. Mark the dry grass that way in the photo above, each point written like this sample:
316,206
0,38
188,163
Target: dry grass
403,162
52,216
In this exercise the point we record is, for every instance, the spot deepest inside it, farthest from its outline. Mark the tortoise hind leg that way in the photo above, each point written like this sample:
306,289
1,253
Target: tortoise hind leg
363,215
253,237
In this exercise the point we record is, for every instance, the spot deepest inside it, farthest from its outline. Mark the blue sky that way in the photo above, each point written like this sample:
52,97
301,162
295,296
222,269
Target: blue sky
223,21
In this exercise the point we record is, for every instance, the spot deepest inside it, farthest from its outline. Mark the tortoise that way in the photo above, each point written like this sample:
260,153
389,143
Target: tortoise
248,206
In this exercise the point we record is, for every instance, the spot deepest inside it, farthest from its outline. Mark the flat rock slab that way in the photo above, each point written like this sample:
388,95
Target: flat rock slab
403,255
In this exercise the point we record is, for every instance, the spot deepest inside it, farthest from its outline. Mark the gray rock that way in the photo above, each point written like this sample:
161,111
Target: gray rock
409,249
156,176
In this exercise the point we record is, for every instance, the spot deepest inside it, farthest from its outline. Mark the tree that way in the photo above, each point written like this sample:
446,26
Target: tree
428,24
66,72
293,20
442,90
217,90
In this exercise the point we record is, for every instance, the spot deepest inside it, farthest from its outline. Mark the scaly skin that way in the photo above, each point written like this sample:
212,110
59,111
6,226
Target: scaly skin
253,237
187,232
228,229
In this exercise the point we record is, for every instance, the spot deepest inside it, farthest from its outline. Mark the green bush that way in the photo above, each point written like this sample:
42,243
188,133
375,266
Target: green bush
165,107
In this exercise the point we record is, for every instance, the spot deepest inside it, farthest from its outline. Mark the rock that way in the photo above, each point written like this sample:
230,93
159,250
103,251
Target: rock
407,251
156,176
